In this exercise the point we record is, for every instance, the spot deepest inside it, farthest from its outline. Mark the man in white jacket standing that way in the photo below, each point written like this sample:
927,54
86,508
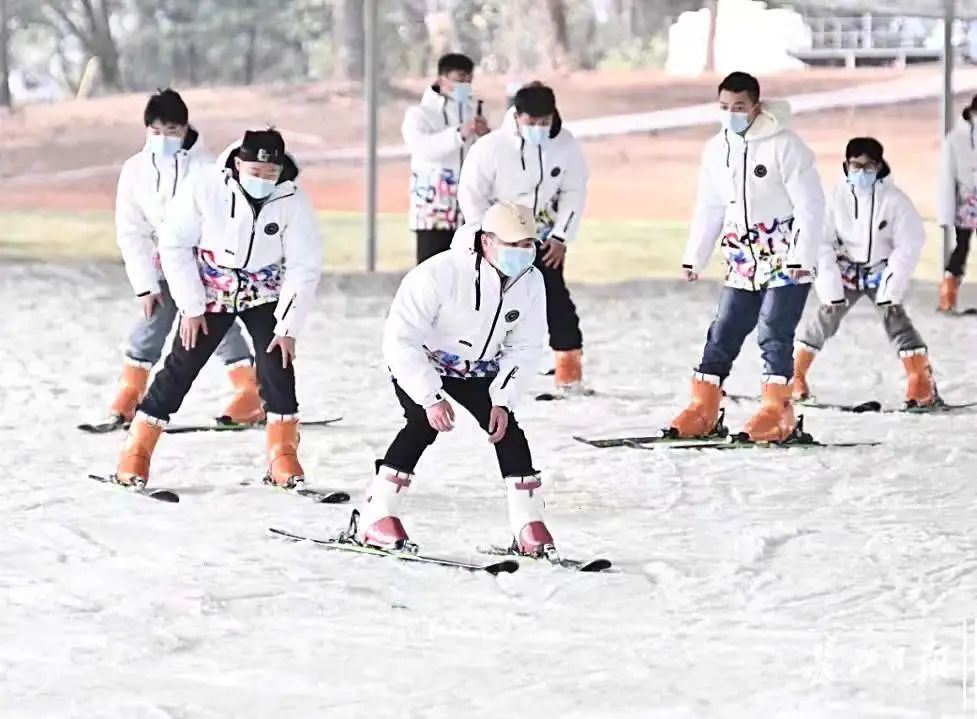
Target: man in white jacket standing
956,203
149,180
240,241
469,324
439,132
760,192
876,239
535,161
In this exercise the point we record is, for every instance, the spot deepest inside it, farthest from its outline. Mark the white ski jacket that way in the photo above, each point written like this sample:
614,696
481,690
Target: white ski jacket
762,195
220,255
876,240
551,179
452,317
432,131
147,183
956,202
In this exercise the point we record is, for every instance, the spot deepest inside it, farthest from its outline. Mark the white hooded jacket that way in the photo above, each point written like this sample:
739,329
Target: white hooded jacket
453,316
219,255
760,192
551,179
432,131
877,237
956,202
147,184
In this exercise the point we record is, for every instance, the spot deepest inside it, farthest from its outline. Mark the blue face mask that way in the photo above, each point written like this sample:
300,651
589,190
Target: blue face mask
165,145
258,187
462,92
535,134
513,261
738,122
862,179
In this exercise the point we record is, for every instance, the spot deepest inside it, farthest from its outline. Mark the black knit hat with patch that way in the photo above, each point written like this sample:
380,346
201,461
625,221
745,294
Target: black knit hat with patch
263,146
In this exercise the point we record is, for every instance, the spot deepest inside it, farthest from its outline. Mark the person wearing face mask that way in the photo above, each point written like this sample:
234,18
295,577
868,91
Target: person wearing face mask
533,160
956,204
759,192
876,237
469,324
240,241
439,133
150,179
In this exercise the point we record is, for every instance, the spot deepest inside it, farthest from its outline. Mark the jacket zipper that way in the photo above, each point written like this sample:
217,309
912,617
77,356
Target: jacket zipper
254,224
288,307
746,216
538,184
461,151
176,172
871,227
498,311
159,177
509,376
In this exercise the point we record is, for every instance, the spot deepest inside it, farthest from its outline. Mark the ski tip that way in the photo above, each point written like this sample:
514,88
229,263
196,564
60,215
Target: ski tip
508,566
595,565
165,495
870,406
548,397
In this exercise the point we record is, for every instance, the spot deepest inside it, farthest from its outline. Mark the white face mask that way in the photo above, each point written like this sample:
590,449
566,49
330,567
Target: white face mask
164,145
513,261
258,187
738,122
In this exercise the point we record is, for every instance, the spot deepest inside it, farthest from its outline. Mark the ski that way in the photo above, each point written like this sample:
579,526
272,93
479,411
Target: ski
318,496
750,444
163,495
870,406
560,396
503,567
664,437
111,425
220,426
597,564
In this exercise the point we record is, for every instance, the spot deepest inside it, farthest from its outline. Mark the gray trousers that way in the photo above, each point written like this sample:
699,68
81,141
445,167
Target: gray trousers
824,325
149,335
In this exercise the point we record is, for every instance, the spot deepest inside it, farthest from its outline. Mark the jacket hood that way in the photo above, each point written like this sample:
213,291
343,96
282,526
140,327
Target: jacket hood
773,119
290,171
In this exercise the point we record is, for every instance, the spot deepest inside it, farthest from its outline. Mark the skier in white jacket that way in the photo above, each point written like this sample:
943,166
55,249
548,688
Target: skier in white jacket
875,239
469,324
149,180
956,202
240,241
760,192
535,161
439,132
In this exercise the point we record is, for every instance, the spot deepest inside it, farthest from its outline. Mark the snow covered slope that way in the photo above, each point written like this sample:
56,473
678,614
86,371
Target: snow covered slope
827,583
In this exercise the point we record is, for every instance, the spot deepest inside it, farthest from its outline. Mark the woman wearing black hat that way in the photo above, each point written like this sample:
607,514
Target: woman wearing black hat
241,240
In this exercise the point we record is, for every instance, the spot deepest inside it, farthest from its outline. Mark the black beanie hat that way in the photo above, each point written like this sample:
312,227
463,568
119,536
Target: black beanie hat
263,146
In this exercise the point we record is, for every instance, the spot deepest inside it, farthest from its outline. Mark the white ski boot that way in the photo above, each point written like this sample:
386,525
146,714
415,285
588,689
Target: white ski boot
524,498
378,523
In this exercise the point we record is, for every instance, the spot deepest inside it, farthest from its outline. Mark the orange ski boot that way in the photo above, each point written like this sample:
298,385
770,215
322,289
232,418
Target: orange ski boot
948,293
282,435
568,372
774,421
133,468
803,359
920,385
701,417
131,388
245,406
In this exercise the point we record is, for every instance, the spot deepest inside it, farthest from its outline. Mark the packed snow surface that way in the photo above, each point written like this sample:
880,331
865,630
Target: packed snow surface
753,583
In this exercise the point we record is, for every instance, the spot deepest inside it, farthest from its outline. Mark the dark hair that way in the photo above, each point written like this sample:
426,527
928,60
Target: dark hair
455,61
166,106
868,146
535,100
969,110
741,82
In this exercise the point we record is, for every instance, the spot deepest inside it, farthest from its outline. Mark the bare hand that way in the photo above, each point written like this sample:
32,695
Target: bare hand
797,274
149,303
469,128
481,126
441,416
286,345
498,424
554,252
691,275
190,328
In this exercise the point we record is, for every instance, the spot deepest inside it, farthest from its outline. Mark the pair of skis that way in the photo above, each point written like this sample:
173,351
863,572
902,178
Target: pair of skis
343,543
869,407
221,424
168,495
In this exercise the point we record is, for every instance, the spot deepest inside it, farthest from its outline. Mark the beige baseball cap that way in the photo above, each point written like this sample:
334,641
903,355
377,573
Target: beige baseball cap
510,222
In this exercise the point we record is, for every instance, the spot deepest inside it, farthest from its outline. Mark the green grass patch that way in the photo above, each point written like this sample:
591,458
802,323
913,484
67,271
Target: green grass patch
607,250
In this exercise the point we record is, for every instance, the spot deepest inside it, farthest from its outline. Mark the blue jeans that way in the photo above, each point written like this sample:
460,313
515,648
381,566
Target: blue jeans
774,312
149,335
